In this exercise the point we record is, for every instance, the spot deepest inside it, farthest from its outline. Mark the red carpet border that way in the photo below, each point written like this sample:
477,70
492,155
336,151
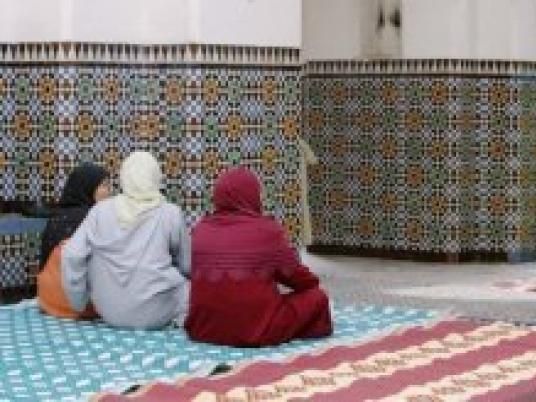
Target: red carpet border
454,360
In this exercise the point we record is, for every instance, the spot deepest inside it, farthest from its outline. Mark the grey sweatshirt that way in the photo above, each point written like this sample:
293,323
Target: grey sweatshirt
135,276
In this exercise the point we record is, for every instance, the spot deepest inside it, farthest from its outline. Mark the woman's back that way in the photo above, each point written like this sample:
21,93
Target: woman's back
129,253
235,262
134,281
238,259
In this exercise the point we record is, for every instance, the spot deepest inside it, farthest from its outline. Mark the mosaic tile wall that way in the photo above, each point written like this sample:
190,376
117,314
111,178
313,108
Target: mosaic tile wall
199,109
19,260
436,163
196,120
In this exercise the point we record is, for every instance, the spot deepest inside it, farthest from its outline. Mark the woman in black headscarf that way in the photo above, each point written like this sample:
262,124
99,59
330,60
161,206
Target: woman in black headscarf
86,185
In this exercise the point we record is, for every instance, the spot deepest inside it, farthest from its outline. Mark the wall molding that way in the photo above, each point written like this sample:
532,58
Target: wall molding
122,53
147,54
420,66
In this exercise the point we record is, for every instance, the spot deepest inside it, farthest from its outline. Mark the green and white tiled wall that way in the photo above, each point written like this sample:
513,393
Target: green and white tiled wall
432,157
422,155
196,114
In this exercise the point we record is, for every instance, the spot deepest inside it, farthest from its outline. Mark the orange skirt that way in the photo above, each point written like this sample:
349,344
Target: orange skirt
52,298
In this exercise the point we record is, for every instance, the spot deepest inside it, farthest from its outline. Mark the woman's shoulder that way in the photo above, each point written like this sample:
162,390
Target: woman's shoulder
271,223
103,205
172,212
275,229
66,213
263,225
171,208
102,210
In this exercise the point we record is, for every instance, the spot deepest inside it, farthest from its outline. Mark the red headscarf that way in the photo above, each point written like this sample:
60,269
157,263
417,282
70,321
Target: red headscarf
238,190
237,227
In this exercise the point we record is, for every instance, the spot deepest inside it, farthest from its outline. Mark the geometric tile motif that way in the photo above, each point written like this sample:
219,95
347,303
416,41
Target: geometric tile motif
197,120
442,164
19,259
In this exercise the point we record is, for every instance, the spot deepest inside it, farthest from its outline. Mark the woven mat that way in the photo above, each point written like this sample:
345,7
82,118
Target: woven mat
453,360
47,359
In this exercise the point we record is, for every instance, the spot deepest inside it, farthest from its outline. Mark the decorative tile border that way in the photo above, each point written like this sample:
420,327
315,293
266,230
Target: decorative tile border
103,53
425,67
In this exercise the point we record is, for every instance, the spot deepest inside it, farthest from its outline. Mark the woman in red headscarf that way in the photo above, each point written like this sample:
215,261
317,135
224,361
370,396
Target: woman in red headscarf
239,257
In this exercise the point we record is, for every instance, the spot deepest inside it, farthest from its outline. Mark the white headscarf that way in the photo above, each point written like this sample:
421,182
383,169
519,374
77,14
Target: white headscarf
140,180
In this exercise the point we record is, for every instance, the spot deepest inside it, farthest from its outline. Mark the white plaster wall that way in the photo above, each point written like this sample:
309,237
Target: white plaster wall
436,29
249,22
237,22
32,20
332,29
505,29
131,21
524,30
480,29
493,21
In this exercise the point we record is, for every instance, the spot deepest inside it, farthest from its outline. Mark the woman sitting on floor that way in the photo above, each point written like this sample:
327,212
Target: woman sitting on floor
86,185
131,255
239,257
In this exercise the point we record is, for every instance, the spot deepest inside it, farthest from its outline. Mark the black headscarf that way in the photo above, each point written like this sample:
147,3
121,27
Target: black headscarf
75,202
81,186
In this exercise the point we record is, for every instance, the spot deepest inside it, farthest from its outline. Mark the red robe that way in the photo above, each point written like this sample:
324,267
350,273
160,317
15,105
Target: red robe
238,259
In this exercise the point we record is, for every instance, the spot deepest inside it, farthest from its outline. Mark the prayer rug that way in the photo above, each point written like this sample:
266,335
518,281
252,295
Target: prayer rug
451,360
47,359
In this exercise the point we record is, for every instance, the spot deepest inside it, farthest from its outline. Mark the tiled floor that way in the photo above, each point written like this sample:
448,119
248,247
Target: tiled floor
486,291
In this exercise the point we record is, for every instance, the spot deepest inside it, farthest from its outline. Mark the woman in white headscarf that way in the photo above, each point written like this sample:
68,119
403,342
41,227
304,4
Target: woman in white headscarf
131,255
